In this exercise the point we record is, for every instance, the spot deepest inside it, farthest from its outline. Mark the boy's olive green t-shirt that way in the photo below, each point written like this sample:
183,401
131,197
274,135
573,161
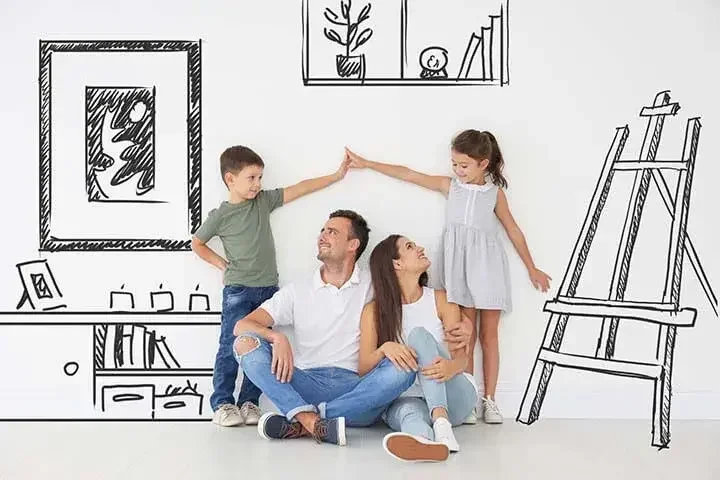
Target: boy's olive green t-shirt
244,230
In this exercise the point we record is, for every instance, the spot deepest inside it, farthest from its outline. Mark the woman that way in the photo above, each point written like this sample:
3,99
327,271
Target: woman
407,323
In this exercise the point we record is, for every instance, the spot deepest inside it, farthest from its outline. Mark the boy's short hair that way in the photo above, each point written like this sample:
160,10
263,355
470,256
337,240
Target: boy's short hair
360,229
234,159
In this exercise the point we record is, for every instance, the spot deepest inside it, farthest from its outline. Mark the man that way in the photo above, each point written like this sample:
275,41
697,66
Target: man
316,386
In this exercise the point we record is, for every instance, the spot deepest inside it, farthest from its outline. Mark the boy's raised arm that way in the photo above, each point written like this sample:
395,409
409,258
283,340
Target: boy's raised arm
311,185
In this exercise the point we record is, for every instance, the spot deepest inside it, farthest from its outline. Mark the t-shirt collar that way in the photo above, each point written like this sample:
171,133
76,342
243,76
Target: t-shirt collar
319,284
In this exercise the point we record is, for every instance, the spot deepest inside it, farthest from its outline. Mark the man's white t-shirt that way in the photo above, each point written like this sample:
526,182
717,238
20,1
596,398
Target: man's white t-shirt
325,319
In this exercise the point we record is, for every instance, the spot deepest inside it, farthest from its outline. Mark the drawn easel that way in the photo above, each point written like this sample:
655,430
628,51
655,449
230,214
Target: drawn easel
667,314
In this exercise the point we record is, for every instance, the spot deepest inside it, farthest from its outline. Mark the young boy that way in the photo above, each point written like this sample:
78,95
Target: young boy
250,271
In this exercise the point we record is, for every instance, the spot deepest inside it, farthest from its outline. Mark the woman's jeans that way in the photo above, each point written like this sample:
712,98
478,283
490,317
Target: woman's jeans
458,395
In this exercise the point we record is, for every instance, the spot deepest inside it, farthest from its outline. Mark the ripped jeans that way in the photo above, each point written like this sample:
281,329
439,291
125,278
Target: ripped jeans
331,392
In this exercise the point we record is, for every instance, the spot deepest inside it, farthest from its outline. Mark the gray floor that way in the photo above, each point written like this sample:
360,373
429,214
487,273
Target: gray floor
550,449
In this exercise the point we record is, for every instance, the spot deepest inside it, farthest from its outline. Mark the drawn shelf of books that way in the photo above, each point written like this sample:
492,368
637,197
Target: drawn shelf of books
145,371
405,42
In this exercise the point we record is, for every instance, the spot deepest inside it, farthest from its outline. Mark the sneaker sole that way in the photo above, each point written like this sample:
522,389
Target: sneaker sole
404,447
261,425
342,439
252,421
239,422
493,422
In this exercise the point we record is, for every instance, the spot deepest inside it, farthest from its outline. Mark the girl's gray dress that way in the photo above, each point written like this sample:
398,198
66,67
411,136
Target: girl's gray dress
472,265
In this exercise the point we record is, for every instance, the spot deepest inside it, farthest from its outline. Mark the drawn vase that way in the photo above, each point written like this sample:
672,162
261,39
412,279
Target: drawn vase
350,67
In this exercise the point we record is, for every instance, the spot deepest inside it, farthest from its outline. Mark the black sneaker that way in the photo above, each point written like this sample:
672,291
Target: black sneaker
275,426
330,431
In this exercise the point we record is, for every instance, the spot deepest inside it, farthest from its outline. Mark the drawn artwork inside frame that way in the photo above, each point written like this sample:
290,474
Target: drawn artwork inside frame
120,135
399,42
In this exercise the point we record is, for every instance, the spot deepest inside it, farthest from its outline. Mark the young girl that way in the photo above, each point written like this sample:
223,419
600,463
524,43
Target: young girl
473,266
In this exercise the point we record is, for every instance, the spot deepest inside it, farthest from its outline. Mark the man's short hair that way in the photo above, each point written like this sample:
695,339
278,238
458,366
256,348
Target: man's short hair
359,230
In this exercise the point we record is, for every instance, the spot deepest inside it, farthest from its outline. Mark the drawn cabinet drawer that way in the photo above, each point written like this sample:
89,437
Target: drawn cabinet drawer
45,370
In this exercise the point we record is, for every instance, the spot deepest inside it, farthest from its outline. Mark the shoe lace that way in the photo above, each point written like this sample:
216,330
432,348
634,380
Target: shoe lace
320,431
491,406
250,407
227,409
292,430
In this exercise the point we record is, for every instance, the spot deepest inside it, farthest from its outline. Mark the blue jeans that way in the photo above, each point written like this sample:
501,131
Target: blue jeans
238,301
331,392
458,395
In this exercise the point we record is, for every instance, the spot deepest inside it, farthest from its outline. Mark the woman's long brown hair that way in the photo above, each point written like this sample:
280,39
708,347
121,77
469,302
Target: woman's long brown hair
388,297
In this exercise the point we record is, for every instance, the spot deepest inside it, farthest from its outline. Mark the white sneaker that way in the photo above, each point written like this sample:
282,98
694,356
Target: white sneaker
251,413
411,448
491,412
444,434
227,415
472,417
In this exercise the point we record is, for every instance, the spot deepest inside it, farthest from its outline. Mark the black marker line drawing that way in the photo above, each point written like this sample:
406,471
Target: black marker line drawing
71,368
144,401
120,149
40,290
347,64
162,300
482,60
121,300
667,315
433,61
120,136
199,301
131,362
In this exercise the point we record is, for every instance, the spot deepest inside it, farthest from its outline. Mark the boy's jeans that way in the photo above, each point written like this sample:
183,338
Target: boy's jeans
331,392
238,301
458,395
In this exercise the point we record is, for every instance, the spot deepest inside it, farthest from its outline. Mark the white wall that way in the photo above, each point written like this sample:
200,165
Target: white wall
577,71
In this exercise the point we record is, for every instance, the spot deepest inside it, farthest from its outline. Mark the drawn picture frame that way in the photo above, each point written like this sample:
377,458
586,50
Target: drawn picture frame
40,289
138,215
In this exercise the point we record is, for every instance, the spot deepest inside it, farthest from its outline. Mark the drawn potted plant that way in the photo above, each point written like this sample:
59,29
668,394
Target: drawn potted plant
347,64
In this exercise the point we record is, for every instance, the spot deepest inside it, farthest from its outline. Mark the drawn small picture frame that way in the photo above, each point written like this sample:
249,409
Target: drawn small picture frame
120,145
40,289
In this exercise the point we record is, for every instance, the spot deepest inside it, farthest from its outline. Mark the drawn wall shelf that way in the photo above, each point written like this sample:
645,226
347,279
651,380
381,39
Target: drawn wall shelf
136,370
405,43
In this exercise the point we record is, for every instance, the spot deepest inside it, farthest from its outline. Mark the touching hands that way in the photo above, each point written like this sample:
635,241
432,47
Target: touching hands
356,161
282,365
344,167
540,279
402,356
441,370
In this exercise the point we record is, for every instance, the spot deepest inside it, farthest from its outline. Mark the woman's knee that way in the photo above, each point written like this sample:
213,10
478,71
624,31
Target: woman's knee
420,337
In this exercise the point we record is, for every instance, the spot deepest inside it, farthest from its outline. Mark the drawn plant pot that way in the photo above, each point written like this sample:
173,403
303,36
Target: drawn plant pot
350,67
348,64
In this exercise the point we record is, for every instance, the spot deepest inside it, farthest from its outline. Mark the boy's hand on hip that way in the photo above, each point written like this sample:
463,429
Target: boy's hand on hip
282,365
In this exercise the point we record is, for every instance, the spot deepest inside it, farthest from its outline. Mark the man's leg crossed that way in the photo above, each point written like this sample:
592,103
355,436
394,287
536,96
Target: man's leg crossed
364,404
255,357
